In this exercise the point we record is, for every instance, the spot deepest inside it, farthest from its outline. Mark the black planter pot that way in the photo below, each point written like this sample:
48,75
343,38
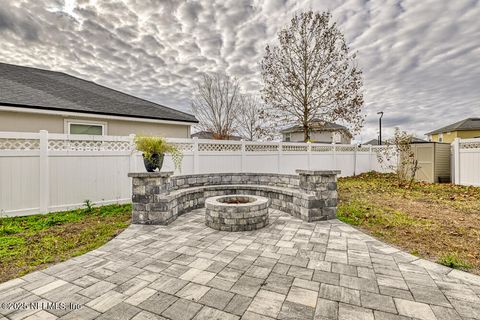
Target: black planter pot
156,161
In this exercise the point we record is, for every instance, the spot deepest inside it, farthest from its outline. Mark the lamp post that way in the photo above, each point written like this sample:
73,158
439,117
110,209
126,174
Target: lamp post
380,128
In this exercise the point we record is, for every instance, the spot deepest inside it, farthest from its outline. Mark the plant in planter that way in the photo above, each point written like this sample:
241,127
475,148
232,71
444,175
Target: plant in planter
154,149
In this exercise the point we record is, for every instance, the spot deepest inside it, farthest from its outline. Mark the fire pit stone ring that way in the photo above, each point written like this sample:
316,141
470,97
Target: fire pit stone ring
236,212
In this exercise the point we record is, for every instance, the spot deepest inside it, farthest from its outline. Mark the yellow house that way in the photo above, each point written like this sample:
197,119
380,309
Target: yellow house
465,129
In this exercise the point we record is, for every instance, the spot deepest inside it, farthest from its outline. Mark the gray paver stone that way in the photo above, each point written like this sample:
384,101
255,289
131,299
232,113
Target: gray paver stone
182,310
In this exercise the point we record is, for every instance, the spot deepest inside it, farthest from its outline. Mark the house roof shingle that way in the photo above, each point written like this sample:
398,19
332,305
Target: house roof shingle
466,124
319,125
50,90
210,135
374,142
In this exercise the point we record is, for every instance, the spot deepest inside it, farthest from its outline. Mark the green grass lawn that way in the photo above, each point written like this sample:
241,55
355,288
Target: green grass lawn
440,222
34,242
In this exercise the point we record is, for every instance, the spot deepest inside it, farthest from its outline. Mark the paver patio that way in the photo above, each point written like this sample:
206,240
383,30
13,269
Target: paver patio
288,270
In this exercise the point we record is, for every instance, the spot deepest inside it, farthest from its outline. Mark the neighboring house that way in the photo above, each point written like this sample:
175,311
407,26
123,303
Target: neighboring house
465,129
374,142
34,99
320,132
211,136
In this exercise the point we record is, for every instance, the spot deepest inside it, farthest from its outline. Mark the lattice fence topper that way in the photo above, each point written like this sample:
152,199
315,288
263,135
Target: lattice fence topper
89,145
379,150
261,147
293,148
321,148
345,148
470,145
363,149
184,147
216,147
19,144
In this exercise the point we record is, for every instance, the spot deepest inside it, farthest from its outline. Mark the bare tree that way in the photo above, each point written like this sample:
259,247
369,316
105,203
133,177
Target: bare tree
311,75
253,122
216,105
398,156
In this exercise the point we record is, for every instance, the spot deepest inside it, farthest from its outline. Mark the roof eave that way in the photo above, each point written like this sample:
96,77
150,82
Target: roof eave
95,113
446,131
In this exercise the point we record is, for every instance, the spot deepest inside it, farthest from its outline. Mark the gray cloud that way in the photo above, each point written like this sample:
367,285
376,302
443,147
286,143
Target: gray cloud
20,25
420,58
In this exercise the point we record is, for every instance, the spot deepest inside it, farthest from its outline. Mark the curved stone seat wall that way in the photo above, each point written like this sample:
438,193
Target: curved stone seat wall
268,179
159,197
193,198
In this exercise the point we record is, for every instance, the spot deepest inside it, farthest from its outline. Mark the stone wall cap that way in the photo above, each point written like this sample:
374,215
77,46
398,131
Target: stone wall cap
157,174
257,200
226,174
317,172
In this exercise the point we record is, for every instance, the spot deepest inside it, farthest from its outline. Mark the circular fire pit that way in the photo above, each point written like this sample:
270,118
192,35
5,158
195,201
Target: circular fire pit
236,212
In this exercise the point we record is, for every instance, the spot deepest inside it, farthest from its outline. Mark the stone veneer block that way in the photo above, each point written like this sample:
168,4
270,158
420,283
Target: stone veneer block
159,197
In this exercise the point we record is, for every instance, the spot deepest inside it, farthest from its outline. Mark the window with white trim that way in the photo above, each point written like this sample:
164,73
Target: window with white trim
85,127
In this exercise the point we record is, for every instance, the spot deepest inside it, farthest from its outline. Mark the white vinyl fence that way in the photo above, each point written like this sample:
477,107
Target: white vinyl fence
466,162
43,172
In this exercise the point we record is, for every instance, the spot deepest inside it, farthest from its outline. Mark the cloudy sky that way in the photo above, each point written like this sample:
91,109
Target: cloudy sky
421,58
